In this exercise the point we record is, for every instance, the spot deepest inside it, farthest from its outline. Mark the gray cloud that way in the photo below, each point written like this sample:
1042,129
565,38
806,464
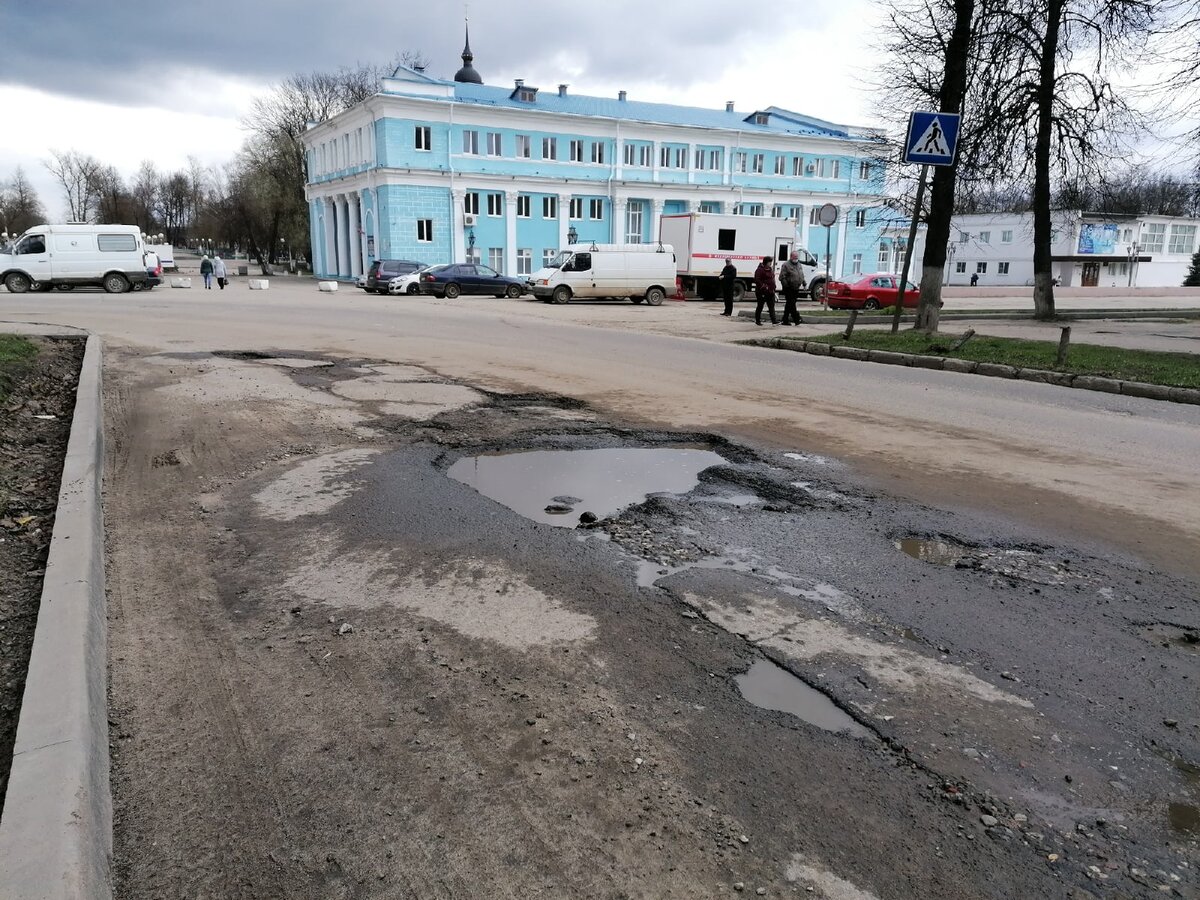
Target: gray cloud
124,52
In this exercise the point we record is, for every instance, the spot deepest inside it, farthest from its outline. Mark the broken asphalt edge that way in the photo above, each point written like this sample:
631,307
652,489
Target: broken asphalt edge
994,370
56,827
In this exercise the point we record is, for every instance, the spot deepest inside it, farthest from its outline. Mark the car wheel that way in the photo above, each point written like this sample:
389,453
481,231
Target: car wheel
871,304
817,291
513,292
413,289
655,296
116,283
452,291
562,294
17,283
739,291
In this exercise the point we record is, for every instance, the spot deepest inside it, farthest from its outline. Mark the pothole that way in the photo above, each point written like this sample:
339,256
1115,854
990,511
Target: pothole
556,486
1017,563
769,686
942,553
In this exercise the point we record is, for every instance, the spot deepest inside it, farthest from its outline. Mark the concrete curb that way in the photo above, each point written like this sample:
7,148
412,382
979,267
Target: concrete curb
998,315
56,830
992,370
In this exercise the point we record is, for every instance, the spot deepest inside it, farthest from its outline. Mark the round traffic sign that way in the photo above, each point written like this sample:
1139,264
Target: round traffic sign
827,214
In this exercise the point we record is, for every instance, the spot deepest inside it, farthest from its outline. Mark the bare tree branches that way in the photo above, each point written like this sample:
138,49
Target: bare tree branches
79,174
20,207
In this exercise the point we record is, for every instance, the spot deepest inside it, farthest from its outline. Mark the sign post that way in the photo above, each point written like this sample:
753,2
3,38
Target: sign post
827,215
932,140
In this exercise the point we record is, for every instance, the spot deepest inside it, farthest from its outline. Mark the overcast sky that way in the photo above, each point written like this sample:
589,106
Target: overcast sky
130,80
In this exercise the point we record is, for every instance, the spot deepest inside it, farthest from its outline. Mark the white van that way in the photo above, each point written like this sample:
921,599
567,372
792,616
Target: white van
637,271
67,256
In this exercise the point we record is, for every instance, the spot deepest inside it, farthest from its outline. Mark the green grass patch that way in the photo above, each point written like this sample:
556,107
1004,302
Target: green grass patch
16,353
1150,366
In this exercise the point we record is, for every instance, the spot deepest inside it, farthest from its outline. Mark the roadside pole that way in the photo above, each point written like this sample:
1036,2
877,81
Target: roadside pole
908,250
827,215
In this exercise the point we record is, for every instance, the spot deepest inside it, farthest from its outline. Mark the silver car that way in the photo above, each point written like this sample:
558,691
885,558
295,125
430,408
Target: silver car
407,284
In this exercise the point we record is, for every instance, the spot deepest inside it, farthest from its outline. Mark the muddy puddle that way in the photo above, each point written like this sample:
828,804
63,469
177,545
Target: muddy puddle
942,553
1016,564
769,686
555,487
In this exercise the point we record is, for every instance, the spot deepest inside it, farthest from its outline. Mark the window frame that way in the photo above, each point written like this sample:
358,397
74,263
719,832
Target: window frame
425,227
470,142
423,138
525,203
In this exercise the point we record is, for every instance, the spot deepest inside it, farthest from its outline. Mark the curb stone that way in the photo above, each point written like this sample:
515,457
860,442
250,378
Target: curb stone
56,830
993,370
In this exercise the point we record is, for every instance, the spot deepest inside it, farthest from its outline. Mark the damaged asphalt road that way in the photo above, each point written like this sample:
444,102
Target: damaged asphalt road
339,670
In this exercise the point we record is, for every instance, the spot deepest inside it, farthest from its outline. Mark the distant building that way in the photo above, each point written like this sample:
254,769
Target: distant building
442,171
1088,250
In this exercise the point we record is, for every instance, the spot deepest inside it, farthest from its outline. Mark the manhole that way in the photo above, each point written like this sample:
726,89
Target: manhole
556,486
769,686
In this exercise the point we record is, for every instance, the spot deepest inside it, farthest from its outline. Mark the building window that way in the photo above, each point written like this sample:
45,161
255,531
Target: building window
633,222
630,154
710,206
864,170
1001,268
1006,236
1153,238
470,143
960,267
527,95
714,160
884,256
471,203
598,151
835,168
748,209
523,146
664,157
423,137
981,268
820,168
761,118
524,261
576,151
548,255
699,160
860,218
596,209
739,161
985,237
495,204
856,264
795,212
681,157
576,210
780,165
549,207
523,206
797,166
1183,239
495,144
496,258
757,163
776,211
425,231
813,215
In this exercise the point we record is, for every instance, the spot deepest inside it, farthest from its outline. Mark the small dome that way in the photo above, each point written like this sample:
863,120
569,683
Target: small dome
467,73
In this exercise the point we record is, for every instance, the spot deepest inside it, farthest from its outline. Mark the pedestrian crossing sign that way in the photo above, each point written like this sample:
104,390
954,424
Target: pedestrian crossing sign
932,138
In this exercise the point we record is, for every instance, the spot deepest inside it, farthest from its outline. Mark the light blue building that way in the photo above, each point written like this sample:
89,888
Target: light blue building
449,171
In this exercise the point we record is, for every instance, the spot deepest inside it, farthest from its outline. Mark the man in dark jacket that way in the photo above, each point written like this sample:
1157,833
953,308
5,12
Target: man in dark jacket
791,278
764,290
728,279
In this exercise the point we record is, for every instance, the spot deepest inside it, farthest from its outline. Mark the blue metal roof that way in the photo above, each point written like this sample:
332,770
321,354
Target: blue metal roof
780,121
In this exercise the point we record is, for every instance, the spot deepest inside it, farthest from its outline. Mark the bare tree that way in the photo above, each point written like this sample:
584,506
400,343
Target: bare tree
79,175
20,207
144,196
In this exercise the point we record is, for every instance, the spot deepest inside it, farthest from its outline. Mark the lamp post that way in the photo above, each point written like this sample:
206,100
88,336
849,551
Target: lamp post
471,244
1134,249
572,235
950,248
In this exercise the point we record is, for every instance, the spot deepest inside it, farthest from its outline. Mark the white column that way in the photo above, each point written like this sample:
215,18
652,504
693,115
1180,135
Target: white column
564,220
354,226
805,213
691,164
693,206
342,265
510,231
363,264
617,226
656,207
330,261
841,248
457,227
655,150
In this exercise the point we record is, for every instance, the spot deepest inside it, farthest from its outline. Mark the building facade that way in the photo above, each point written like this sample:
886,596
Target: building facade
446,171
1087,250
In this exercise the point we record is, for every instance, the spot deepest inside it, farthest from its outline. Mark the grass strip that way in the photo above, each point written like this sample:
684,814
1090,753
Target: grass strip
1149,366
16,353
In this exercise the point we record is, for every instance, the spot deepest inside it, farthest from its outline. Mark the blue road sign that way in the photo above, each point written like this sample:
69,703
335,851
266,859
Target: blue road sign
932,138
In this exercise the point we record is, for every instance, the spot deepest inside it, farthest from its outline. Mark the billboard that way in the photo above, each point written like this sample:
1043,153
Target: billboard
1097,238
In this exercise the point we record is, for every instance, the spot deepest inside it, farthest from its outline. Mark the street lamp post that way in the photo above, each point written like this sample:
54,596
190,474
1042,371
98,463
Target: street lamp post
572,235
1134,249
950,248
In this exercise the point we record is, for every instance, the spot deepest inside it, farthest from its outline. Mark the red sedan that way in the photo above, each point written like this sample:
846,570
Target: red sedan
871,292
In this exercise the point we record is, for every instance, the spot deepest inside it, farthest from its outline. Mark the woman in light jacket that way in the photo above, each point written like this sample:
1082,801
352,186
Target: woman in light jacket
219,271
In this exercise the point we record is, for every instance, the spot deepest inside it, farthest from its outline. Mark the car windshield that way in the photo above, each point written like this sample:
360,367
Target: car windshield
557,262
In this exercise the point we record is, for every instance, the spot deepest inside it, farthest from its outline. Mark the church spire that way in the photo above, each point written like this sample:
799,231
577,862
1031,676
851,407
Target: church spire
467,73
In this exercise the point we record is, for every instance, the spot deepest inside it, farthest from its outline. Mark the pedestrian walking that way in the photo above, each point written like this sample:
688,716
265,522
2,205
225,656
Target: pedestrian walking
974,279
728,278
206,270
791,279
219,272
764,290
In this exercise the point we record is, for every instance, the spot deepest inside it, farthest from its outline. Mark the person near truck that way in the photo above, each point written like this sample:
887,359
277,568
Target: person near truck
764,290
206,270
791,279
728,278
219,272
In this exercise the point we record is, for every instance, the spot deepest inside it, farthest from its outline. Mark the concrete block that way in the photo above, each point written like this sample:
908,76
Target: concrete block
816,348
1141,389
1095,383
181,282
995,370
328,287
890,358
1185,395
928,362
959,365
857,353
1041,376
258,284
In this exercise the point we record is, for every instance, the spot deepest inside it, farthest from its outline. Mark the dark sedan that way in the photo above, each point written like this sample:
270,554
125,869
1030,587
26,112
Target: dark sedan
470,278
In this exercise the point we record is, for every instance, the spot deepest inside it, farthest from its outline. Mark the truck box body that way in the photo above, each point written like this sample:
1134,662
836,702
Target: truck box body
637,271
46,256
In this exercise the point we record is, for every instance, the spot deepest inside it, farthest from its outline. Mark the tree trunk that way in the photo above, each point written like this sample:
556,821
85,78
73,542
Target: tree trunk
1043,284
941,195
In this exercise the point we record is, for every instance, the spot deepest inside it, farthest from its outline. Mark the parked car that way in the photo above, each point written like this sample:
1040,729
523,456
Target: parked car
871,292
361,281
384,270
407,284
469,278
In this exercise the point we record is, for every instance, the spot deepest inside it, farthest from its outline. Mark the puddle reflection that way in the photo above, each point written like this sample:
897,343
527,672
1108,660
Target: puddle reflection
769,686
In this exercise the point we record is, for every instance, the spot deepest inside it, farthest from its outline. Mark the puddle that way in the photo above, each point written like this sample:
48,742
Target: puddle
769,686
603,482
942,553
1184,818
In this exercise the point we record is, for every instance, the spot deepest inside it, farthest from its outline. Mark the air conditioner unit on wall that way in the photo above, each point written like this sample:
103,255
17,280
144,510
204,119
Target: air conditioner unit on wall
469,219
